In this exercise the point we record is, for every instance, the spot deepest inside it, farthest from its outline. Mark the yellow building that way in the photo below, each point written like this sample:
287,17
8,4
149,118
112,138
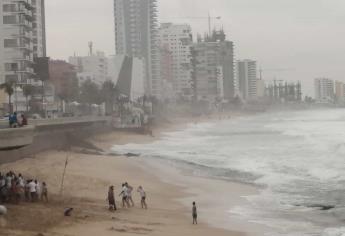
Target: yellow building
3,98
339,90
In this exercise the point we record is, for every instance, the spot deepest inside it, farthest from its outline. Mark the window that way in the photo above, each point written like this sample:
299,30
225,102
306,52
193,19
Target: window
9,8
10,43
11,66
10,19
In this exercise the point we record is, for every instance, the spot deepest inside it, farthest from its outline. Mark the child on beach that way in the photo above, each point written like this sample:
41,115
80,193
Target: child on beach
111,199
44,195
143,197
195,214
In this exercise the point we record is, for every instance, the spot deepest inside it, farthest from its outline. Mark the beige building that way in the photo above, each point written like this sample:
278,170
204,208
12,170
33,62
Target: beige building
340,90
2,101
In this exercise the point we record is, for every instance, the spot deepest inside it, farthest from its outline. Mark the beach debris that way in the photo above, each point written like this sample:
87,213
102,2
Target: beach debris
132,154
3,210
68,211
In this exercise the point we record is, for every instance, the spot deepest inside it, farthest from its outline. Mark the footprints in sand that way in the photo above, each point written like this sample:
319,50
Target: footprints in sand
132,229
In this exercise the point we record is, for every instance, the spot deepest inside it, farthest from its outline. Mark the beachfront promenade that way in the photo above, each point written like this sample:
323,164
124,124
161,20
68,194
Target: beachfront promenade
12,138
61,121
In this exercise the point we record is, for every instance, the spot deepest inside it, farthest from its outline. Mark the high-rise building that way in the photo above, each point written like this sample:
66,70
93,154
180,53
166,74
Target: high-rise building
175,46
213,62
324,90
246,74
136,35
22,39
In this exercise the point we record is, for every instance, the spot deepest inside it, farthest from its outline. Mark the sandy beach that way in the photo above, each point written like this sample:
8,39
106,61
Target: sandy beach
88,177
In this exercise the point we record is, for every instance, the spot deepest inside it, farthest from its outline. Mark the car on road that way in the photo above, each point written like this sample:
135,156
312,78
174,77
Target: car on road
4,118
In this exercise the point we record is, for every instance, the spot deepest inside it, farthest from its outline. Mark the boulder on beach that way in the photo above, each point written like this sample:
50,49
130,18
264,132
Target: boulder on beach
3,210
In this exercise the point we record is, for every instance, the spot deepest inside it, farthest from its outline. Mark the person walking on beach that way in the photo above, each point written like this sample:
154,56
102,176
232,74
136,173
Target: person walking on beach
33,191
194,214
143,197
129,194
124,195
44,195
111,199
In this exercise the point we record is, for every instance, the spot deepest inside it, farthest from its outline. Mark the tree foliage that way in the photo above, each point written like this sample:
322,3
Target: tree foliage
90,93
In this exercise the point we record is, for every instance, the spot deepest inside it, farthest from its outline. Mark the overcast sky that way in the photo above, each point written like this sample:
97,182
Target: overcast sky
305,38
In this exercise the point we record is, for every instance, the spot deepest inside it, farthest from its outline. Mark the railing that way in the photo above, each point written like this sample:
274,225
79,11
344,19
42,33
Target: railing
60,121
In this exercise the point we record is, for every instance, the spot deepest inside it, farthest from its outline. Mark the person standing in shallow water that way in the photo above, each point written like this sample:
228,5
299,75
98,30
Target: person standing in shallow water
143,197
195,214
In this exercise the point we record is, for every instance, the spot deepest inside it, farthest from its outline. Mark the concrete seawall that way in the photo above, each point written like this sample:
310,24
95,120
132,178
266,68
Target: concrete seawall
58,134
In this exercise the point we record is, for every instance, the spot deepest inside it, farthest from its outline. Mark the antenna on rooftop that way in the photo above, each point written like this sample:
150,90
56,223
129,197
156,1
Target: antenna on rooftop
90,48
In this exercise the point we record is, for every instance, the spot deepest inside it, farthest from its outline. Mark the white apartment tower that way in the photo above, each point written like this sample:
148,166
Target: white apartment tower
176,41
324,90
22,36
93,67
136,35
246,73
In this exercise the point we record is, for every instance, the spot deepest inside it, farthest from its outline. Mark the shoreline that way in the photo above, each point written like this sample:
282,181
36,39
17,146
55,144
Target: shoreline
169,198
218,217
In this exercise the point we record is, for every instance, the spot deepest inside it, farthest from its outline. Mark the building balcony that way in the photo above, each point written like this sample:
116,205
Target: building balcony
26,4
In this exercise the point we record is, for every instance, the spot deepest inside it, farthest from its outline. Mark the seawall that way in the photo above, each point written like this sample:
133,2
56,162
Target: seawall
57,134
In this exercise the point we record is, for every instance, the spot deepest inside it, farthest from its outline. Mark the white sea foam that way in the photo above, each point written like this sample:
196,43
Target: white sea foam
297,156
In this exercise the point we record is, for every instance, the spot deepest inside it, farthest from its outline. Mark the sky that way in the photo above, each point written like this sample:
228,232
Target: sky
291,39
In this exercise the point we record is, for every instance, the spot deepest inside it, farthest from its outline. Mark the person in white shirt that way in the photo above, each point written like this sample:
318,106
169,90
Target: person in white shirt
9,181
33,192
129,194
143,197
38,189
124,195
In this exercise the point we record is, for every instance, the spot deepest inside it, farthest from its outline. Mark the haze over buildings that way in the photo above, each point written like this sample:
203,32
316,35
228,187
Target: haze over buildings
292,40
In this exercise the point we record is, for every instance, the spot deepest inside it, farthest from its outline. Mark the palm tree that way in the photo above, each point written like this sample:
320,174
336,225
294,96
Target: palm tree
109,93
28,90
8,88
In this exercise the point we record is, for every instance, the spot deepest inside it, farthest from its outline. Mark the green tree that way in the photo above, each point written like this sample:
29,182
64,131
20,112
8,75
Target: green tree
8,88
90,93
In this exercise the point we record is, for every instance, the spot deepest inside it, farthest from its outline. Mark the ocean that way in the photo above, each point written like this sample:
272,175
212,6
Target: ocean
296,158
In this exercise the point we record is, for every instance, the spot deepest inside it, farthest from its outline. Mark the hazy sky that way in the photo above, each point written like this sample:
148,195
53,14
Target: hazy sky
306,38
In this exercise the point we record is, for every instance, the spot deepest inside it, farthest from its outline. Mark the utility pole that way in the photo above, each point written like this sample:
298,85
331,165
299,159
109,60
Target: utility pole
209,24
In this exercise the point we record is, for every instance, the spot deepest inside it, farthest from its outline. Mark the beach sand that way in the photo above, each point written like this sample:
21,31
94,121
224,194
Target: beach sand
87,179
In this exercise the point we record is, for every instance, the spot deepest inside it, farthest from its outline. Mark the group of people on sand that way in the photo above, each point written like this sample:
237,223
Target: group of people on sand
126,194
14,122
15,188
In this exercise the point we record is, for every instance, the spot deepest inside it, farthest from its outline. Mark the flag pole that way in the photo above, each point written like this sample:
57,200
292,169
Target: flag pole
64,173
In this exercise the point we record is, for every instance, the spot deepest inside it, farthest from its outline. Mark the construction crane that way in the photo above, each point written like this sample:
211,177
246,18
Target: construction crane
275,70
209,18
